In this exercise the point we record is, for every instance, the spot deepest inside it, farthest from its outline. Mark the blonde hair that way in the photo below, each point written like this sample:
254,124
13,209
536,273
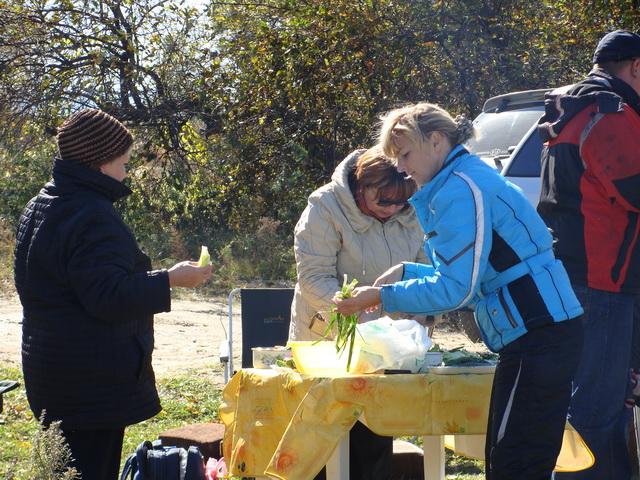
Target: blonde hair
417,122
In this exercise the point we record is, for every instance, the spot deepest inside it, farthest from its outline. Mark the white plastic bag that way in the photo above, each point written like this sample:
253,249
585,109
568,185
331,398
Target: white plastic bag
387,344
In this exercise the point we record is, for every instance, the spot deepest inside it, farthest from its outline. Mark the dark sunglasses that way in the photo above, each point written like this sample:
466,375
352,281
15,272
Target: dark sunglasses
388,203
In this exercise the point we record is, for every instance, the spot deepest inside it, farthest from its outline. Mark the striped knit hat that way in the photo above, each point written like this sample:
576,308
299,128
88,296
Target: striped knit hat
92,137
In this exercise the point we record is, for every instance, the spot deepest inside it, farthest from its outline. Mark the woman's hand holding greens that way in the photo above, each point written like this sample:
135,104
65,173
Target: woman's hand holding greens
361,299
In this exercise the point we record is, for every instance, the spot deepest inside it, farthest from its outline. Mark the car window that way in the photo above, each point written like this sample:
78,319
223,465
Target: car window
526,159
496,132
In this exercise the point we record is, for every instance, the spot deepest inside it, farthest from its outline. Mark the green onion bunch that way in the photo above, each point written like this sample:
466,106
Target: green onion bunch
345,326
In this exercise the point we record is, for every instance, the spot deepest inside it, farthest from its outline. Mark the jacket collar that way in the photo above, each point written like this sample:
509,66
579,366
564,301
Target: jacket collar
600,80
70,177
342,191
428,189
608,92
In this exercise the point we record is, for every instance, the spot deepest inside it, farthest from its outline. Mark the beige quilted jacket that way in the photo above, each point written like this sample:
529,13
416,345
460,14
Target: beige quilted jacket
333,237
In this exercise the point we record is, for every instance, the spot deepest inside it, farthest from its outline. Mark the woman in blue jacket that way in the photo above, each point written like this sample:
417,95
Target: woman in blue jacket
489,251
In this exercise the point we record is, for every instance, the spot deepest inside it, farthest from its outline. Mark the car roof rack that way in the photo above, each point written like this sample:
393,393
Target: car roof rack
515,100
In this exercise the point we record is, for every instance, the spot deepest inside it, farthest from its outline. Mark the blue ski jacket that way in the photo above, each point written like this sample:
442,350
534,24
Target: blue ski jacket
489,251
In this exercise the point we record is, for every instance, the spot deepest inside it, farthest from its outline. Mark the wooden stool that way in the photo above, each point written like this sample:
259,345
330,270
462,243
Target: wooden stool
206,436
408,461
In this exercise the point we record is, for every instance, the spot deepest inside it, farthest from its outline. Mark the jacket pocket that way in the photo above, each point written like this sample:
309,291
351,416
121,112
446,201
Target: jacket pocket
498,320
145,341
132,359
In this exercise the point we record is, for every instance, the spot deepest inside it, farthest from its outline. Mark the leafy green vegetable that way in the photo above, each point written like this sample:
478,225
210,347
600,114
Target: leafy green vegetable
286,362
205,258
459,356
344,325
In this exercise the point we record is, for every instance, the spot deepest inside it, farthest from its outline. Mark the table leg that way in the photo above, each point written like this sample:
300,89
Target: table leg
433,447
338,464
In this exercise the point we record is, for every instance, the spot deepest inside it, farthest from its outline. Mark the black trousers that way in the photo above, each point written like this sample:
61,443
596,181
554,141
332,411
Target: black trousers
529,402
96,453
370,455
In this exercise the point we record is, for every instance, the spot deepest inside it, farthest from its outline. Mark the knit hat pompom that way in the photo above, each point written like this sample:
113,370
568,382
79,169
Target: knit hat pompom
92,137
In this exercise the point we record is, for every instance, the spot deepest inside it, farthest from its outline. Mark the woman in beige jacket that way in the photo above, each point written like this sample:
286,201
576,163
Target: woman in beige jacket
360,225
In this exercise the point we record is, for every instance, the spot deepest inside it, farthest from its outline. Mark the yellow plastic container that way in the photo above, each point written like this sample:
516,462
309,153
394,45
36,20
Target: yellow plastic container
320,359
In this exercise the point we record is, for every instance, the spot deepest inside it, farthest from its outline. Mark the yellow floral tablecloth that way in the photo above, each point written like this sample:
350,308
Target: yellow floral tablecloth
259,405
286,425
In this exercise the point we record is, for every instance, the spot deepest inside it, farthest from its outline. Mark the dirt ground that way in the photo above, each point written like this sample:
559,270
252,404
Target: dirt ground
188,337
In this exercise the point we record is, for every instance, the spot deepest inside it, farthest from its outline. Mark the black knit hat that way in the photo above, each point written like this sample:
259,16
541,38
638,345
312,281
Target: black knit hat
617,46
92,137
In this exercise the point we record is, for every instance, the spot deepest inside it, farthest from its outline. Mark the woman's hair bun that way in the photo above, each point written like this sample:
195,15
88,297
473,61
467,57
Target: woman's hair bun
464,128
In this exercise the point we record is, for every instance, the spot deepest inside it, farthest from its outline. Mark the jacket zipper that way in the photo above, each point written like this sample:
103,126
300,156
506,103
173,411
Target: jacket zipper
384,234
506,309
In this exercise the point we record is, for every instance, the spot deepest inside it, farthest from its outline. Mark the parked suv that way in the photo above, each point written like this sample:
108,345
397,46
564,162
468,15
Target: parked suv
503,122
523,166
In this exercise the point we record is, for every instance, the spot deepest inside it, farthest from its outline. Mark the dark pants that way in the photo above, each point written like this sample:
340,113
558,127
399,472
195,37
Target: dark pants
96,453
370,455
529,402
597,408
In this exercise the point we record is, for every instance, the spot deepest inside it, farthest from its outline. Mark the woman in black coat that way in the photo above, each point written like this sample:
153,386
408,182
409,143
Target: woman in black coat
89,295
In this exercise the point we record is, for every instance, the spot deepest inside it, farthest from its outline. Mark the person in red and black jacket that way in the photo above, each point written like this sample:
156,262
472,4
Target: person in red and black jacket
590,198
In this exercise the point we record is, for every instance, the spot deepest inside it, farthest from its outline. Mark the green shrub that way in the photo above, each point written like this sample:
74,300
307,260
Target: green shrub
264,255
25,171
50,454
7,243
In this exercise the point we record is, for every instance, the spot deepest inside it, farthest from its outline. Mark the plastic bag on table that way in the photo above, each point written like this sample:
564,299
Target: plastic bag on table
387,344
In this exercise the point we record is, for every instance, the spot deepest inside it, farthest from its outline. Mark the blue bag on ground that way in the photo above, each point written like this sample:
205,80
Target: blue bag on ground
152,461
